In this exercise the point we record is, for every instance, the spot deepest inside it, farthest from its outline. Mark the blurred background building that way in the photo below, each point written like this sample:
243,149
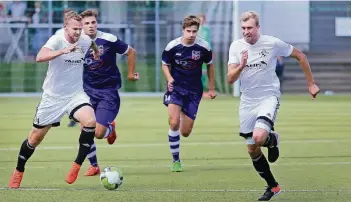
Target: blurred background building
322,29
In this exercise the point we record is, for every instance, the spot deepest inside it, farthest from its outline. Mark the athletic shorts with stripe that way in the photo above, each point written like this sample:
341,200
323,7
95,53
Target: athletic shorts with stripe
257,115
51,109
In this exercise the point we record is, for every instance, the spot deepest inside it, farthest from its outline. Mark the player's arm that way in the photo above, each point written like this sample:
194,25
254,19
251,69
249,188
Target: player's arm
211,77
131,54
165,69
49,50
46,54
125,49
96,52
305,66
208,60
167,57
284,49
235,68
234,71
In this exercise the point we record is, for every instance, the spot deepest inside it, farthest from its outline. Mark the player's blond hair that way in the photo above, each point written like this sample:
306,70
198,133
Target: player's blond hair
90,13
250,14
69,15
191,20
66,10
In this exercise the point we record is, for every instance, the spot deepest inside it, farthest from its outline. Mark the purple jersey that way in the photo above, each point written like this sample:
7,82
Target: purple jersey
186,63
104,73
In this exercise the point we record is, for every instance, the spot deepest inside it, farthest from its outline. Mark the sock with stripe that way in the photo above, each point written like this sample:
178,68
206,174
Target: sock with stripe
174,142
25,153
262,167
92,156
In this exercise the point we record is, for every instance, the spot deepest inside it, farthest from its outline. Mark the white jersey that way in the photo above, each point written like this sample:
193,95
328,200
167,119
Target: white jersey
64,77
258,79
60,31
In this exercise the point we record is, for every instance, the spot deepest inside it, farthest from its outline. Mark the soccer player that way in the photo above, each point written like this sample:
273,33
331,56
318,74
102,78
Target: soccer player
102,80
252,59
63,93
181,64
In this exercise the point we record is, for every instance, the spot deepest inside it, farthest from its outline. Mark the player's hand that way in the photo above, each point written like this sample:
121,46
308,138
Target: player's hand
212,94
170,85
69,49
314,90
244,56
96,55
133,77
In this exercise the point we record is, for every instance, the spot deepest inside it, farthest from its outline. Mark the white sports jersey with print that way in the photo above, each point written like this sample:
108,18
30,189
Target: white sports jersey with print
258,79
60,31
64,77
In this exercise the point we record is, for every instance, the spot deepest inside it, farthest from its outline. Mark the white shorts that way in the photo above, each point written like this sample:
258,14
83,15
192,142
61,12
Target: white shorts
257,115
51,109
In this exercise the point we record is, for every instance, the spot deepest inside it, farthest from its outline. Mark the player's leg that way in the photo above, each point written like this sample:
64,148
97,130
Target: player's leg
249,122
263,134
105,125
49,113
81,110
106,112
174,102
27,148
92,156
189,112
262,167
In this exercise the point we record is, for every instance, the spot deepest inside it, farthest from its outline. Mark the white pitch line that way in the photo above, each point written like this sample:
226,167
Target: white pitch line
27,167
174,190
211,165
183,144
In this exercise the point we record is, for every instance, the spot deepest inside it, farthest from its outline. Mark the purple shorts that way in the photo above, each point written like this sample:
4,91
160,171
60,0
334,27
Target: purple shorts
106,104
188,101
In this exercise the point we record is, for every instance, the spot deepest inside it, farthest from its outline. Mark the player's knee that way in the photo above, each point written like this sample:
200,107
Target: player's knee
89,122
185,132
35,137
100,134
173,123
260,136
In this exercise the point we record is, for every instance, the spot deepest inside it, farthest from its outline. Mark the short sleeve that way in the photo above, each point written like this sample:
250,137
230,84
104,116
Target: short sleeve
120,47
208,56
282,48
232,57
167,55
53,43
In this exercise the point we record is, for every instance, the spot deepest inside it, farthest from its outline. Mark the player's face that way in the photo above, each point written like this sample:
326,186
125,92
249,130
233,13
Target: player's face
74,29
190,33
90,26
250,30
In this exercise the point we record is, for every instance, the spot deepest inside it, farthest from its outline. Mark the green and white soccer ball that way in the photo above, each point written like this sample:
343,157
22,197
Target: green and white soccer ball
111,178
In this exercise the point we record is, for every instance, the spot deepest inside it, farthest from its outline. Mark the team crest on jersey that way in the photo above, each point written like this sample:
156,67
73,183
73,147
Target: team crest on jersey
101,49
264,53
195,55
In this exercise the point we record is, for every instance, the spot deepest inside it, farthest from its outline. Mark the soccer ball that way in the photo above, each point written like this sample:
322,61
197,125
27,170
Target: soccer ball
111,178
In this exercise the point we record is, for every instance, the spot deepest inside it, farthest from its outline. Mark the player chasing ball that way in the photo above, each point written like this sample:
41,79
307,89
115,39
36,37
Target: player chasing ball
252,60
102,80
63,93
